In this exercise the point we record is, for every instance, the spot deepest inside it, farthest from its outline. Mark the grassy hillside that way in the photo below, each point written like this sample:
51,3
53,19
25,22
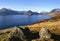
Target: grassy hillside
53,24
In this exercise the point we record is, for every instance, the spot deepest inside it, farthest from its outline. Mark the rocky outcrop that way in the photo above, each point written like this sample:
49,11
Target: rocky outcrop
44,33
15,35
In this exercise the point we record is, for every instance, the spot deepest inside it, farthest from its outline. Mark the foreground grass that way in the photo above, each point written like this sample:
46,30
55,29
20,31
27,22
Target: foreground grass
54,27
2,36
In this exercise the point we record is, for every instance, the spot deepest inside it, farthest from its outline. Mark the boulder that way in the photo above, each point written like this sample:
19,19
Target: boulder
44,33
15,35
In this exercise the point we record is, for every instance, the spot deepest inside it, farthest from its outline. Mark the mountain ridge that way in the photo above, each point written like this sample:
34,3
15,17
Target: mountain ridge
54,13
5,11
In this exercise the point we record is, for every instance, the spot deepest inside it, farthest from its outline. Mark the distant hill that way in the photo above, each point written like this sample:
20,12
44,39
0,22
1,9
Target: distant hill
54,13
5,11
54,10
44,13
31,13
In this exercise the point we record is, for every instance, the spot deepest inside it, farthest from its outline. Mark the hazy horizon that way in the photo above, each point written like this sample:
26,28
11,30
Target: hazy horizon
34,5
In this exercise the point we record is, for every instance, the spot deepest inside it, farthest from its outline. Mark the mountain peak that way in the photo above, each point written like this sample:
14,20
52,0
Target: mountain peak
29,11
57,9
3,9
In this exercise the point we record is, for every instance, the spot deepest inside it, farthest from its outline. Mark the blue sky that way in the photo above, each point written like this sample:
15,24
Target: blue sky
34,5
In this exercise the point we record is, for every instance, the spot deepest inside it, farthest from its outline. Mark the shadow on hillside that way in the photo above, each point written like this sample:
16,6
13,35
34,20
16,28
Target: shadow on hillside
15,39
35,35
55,37
30,35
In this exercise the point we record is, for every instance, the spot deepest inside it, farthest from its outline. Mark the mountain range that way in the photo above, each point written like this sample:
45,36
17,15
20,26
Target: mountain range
5,11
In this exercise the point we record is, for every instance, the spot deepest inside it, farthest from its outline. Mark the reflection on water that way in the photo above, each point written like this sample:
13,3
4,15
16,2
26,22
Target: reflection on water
16,20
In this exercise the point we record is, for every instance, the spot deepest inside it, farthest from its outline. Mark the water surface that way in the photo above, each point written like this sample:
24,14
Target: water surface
18,20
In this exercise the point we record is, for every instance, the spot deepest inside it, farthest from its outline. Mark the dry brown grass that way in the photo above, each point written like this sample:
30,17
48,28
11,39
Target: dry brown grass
54,27
3,36
53,24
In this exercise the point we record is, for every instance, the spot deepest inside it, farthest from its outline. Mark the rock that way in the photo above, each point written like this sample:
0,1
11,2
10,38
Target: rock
44,33
6,39
16,35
